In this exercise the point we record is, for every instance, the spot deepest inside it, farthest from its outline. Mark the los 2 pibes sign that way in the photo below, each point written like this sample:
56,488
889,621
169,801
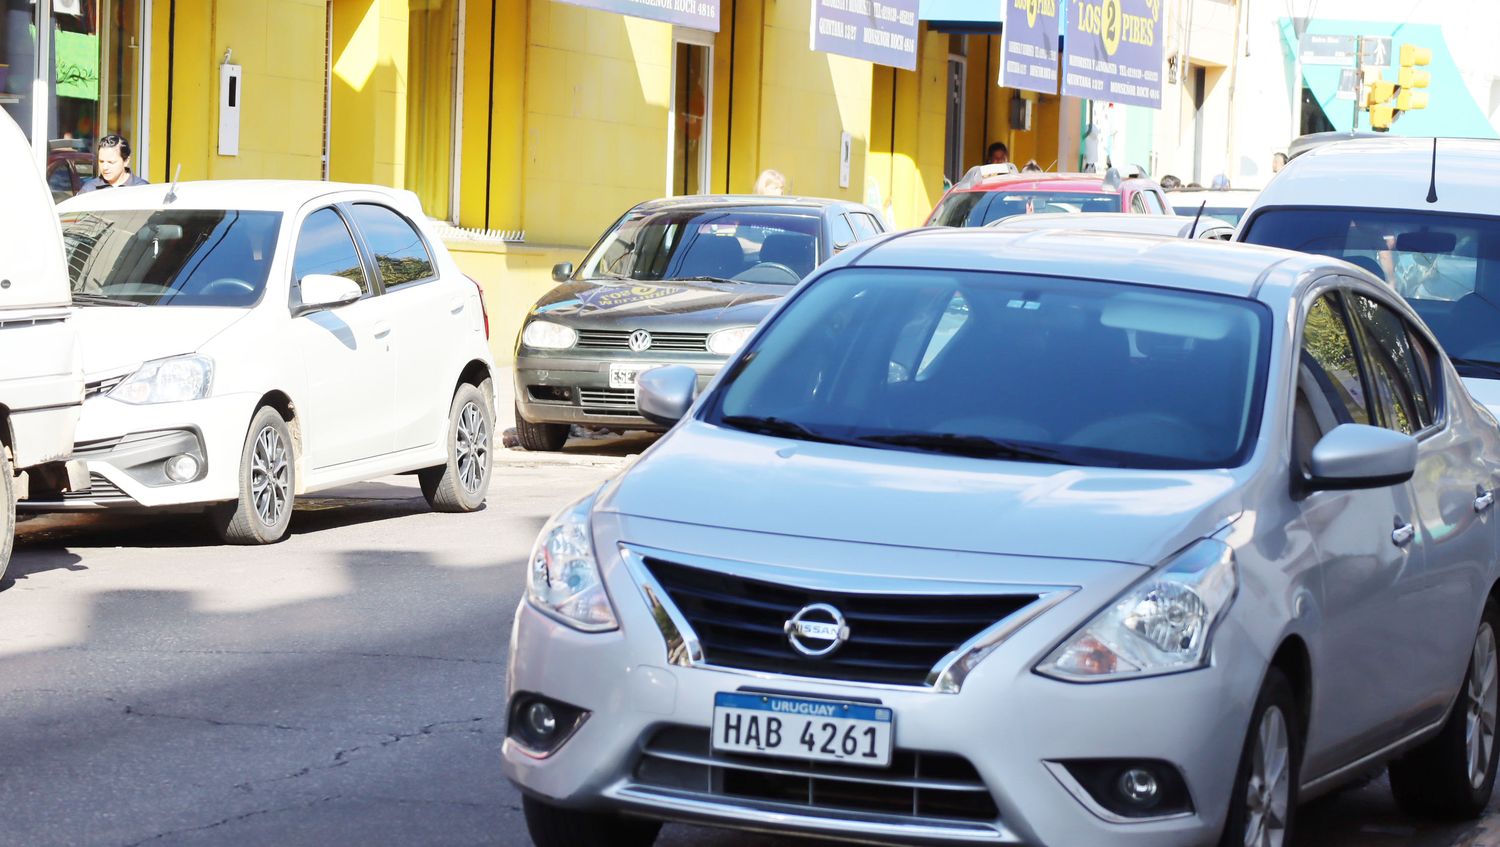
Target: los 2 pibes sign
698,14
879,31
1030,45
1112,50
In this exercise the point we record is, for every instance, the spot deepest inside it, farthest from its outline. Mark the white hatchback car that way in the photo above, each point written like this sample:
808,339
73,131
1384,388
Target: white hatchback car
246,342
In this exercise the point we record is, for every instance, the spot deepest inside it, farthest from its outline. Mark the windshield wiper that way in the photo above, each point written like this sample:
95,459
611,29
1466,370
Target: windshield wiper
977,446
1483,366
101,300
779,426
704,279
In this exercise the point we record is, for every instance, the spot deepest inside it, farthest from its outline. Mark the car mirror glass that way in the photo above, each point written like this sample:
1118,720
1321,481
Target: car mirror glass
1361,456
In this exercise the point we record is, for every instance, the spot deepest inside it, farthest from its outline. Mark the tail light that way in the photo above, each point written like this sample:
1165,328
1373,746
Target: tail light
482,310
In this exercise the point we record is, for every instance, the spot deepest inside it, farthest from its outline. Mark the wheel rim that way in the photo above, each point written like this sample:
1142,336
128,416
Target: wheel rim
1479,720
1268,794
471,448
270,476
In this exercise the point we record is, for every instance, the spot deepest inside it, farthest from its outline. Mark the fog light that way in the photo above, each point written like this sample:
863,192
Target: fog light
182,468
1139,787
540,725
540,722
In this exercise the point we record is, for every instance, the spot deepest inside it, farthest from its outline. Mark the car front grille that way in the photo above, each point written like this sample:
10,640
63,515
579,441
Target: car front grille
674,342
608,401
916,787
100,488
102,386
893,638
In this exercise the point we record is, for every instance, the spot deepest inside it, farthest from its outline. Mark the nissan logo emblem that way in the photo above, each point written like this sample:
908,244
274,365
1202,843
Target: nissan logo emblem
817,630
640,341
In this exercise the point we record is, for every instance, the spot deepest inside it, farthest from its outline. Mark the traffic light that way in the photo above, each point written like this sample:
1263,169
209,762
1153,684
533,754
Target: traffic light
1382,116
1406,101
1405,91
1380,91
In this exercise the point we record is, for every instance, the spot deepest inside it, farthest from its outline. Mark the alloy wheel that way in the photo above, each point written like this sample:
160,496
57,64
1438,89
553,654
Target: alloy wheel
1268,793
472,448
1479,718
270,476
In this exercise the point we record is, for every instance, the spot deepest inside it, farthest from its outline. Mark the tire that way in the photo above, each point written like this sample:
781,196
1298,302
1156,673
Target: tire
1275,723
460,484
540,437
553,827
1451,776
268,477
7,510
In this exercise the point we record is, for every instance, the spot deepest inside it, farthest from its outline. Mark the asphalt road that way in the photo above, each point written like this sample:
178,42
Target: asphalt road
343,687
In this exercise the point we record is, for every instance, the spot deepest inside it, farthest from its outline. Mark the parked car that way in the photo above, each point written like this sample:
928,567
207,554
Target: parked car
249,342
68,168
675,281
41,380
1226,204
873,587
991,192
1167,226
1417,213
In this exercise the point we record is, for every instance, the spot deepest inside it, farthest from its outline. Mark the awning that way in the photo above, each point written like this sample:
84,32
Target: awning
1451,110
979,16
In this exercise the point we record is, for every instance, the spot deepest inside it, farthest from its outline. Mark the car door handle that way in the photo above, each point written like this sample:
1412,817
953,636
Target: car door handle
382,329
1403,533
457,308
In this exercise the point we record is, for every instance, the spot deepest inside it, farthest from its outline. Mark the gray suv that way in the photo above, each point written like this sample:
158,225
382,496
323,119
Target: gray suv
1043,539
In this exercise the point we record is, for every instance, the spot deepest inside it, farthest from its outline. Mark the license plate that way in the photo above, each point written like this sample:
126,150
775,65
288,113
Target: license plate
625,375
795,728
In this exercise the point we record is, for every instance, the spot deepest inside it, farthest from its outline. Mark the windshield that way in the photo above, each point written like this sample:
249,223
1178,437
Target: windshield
1008,366
1227,214
1446,266
977,208
729,244
159,257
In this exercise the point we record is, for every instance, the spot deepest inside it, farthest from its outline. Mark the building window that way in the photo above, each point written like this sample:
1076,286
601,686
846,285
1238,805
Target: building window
692,87
434,55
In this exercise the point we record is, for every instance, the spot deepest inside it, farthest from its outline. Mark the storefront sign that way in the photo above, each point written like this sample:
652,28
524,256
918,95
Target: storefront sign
1112,51
879,31
698,14
1029,45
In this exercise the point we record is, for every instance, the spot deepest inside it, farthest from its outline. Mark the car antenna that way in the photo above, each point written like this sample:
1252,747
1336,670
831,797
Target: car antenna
172,192
1194,231
1432,184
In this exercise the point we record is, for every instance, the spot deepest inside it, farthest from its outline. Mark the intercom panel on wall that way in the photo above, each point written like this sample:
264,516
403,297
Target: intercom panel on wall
230,95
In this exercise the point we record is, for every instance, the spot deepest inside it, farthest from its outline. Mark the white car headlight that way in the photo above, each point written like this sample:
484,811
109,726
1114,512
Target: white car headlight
1162,624
727,342
167,381
544,335
563,579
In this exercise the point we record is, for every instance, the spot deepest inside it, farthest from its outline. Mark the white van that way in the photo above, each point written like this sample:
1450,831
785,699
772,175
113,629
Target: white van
41,377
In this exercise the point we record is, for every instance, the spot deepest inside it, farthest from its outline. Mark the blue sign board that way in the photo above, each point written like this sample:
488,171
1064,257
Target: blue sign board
698,14
1112,51
1029,45
879,31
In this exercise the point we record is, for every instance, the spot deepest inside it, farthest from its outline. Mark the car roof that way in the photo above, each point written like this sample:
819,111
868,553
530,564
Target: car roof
1188,264
1238,197
763,202
1170,226
1064,182
1391,173
251,195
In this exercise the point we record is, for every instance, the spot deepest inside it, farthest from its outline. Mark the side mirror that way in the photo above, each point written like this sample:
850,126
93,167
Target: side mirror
562,271
1360,456
326,291
665,394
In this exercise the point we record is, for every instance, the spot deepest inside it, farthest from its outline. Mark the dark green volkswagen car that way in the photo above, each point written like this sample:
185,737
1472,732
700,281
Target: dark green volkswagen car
680,281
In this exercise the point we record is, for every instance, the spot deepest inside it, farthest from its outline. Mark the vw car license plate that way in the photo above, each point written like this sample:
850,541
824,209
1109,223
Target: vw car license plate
625,375
795,728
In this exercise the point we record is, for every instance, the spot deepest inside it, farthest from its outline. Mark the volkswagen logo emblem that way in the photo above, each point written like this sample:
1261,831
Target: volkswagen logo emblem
817,630
640,341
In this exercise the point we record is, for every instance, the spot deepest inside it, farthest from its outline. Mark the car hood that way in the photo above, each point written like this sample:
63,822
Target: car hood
1485,391
602,304
713,476
118,338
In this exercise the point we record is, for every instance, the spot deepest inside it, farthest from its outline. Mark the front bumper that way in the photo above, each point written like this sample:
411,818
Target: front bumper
575,389
1007,722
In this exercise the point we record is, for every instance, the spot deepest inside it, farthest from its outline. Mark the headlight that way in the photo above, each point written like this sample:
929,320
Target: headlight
544,335
167,381
563,579
727,342
1161,625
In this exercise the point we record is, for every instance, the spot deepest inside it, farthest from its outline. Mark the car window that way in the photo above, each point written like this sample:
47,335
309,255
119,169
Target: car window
60,178
864,225
1399,385
959,361
400,253
1330,390
324,246
960,208
840,231
774,247
1154,202
1008,204
1138,203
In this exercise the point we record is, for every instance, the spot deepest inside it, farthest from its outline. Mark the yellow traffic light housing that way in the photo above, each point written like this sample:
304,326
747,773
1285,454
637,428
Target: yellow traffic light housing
1412,55
1406,101
1413,78
1380,92
1381,117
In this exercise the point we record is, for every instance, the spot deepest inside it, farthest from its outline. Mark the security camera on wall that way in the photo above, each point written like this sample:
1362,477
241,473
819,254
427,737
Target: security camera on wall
1020,113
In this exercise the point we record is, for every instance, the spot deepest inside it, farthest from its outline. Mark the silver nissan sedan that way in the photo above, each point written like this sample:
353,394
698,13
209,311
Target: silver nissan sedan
1051,538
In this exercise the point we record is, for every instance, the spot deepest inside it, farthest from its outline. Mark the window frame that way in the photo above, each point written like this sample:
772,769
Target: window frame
368,250
1326,287
294,283
1435,392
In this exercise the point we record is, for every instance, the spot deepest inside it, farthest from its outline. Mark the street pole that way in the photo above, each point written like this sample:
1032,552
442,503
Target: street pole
1359,80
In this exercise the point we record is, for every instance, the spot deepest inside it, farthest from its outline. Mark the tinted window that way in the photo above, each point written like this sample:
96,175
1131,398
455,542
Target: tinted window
839,231
1399,385
864,225
1079,371
176,257
324,246
400,253
960,209
751,246
1010,203
1329,389
60,178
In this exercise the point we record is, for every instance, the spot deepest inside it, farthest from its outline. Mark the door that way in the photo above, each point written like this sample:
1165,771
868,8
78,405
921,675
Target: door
428,320
1451,489
691,138
346,352
1368,552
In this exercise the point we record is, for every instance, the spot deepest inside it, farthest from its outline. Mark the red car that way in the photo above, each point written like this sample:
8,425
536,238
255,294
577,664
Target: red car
991,192
67,170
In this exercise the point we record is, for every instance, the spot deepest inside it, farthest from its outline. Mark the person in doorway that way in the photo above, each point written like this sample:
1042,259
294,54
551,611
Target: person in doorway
998,154
770,182
1278,161
112,158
